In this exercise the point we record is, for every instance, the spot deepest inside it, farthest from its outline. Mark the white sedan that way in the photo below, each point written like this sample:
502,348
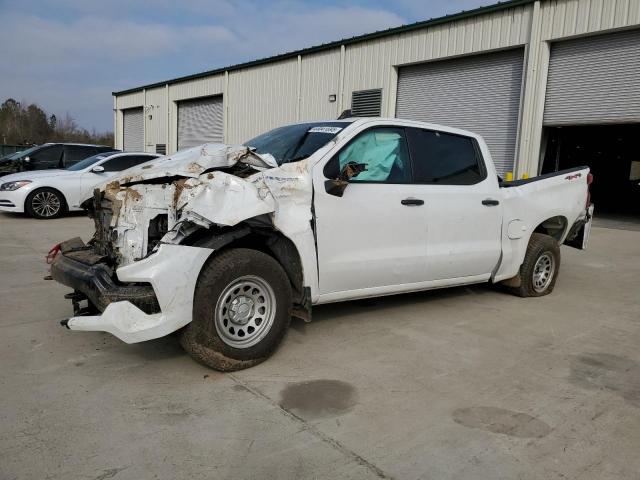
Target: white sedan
50,193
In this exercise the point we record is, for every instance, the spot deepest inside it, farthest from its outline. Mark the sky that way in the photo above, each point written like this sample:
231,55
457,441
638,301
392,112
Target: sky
69,55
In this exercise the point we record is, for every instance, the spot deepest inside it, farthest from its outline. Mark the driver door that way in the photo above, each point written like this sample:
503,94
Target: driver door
374,235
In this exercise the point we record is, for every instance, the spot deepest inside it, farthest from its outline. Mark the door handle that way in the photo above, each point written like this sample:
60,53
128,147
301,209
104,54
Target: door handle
412,201
489,202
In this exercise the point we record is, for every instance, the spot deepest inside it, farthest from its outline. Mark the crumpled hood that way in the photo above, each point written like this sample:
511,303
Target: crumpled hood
192,193
192,162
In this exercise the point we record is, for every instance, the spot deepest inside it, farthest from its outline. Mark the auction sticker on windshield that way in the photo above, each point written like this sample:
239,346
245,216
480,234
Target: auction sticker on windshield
333,130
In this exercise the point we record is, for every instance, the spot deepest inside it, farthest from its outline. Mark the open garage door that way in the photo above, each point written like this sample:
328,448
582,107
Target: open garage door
594,81
133,130
480,93
592,116
200,121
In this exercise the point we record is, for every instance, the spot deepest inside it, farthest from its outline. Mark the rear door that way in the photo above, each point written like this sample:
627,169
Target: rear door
464,214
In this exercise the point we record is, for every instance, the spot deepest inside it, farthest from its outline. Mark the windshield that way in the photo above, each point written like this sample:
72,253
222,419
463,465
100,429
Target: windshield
87,162
295,142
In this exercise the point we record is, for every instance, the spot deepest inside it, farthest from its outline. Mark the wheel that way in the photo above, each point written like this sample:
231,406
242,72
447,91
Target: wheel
539,271
45,203
241,310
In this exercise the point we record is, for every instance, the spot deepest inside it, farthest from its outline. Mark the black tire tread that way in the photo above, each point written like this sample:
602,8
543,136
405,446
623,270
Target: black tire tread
200,338
538,244
29,209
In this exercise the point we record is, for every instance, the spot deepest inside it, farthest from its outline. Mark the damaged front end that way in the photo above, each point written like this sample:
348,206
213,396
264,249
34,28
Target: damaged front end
157,224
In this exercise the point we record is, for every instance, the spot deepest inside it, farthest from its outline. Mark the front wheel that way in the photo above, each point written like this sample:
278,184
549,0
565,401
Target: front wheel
241,310
539,271
45,203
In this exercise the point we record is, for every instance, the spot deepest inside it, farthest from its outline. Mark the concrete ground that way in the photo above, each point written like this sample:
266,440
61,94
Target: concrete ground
467,383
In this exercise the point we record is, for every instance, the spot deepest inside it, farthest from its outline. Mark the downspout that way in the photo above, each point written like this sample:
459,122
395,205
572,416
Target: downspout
299,88
115,122
167,135
341,82
144,119
225,108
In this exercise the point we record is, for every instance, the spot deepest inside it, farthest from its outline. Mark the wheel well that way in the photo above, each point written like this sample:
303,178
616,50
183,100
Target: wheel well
554,227
64,199
269,242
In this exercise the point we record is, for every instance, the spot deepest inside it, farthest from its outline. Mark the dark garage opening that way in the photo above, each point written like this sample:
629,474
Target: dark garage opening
613,154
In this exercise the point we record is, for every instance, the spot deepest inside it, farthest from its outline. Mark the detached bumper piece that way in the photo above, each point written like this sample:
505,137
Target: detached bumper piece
95,283
141,301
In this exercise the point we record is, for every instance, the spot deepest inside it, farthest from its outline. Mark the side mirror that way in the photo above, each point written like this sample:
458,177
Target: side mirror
27,159
98,169
337,186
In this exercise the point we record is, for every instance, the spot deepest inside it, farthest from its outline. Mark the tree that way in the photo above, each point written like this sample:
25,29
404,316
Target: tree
22,124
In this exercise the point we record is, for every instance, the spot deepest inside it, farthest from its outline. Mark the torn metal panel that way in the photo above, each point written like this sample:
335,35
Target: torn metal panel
128,322
223,199
215,197
192,162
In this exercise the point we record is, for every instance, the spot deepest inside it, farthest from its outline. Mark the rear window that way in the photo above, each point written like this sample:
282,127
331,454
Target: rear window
444,158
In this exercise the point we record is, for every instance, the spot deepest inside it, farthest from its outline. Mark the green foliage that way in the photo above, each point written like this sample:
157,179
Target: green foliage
22,124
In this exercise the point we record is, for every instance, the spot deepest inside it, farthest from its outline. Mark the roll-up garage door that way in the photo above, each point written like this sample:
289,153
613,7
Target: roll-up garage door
133,128
200,121
480,93
594,80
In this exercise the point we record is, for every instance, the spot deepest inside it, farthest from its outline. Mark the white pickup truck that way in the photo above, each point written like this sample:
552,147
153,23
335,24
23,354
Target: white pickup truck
224,244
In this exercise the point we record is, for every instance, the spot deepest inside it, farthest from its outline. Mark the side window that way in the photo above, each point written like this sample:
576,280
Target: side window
122,163
74,153
383,151
48,157
444,158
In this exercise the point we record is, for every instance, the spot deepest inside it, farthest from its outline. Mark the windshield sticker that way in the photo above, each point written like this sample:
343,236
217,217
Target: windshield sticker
333,130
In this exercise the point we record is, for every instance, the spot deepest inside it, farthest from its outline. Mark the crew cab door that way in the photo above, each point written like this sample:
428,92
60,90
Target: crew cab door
464,213
374,235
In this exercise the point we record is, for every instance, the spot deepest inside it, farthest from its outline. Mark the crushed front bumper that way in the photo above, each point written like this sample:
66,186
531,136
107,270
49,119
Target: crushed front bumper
150,299
96,283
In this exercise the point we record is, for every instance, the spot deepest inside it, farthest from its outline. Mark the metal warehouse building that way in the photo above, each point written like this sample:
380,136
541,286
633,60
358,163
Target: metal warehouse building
550,84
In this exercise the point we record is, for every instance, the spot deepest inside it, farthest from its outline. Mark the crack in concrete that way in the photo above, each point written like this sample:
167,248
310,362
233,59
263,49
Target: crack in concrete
314,431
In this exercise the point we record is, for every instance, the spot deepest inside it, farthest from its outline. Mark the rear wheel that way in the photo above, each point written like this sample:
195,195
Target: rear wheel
241,310
45,203
539,271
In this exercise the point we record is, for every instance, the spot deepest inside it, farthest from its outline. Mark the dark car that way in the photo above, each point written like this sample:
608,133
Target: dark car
50,155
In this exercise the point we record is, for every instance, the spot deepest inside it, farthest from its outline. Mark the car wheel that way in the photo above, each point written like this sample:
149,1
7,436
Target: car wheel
539,271
45,203
241,310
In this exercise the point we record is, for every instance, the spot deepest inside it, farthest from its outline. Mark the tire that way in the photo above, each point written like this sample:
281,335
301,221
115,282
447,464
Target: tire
241,310
539,271
45,204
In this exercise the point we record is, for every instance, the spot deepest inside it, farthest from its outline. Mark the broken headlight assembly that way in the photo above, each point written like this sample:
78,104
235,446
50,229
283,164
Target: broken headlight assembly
11,186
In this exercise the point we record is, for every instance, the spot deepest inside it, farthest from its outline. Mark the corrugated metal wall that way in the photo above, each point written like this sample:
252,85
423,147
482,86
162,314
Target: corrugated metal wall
480,93
567,18
265,96
319,78
261,98
554,20
155,124
369,64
